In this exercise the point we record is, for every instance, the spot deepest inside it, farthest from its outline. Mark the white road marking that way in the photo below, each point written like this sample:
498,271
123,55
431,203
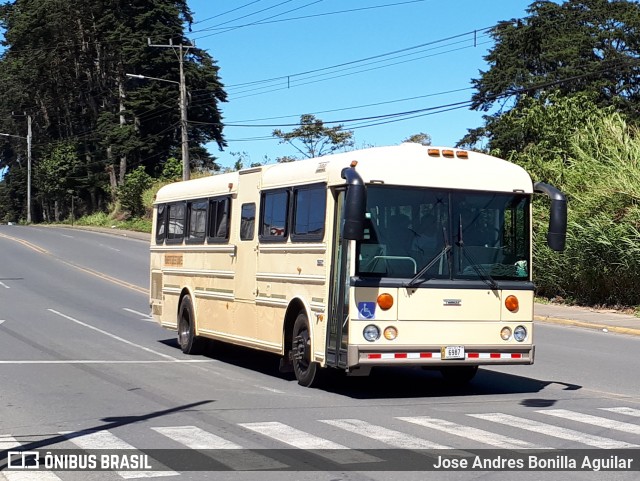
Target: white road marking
145,317
627,411
109,247
593,420
113,336
468,432
4,285
270,389
554,431
107,440
196,438
137,313
302,440
388,436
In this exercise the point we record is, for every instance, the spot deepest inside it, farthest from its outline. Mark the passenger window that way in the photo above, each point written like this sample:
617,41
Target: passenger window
247,221
219,215
161,220
197,221
175,231
309,213
274,215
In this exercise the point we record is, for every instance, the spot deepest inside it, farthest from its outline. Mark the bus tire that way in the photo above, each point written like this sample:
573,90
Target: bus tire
458,375
187,339
306,371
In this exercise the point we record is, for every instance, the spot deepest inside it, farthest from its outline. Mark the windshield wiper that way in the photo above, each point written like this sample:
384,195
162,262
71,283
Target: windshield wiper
484,275
431,263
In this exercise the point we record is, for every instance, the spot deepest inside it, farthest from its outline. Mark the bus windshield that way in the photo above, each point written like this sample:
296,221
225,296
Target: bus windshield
422,234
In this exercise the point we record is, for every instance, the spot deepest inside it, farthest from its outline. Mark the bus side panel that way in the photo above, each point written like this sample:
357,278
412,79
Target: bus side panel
285,272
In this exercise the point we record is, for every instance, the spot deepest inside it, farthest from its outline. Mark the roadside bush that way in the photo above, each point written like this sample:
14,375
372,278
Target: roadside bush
130,193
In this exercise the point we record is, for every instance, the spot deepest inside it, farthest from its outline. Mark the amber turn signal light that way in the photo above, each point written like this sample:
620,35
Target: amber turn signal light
511,303
385,301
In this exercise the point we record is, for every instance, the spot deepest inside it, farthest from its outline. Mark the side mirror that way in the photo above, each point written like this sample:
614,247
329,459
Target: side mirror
355,205
557,234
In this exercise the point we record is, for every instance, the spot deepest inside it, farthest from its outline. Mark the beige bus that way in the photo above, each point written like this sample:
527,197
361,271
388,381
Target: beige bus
392,256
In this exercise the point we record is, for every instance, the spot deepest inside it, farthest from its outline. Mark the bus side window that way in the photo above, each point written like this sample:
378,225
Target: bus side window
176,217
275,212
161,223
309,213
219,215
197,214
247,221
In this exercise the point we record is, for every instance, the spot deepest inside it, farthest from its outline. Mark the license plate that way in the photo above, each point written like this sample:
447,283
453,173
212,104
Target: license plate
452,352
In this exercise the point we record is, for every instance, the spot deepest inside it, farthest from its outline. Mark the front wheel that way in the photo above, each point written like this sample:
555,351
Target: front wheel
187,339
306,371
458,375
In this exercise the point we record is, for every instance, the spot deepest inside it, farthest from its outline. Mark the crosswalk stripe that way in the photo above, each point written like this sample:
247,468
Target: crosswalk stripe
388,436
302,440
627,411
29,476
593,420
8,443
475,434
554,431
107,440
195,438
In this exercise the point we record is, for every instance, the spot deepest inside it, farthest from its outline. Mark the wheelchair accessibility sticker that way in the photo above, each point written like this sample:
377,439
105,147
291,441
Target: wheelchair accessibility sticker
366,310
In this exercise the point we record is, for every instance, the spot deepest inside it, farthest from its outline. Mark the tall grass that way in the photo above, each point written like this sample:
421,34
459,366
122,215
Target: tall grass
601,177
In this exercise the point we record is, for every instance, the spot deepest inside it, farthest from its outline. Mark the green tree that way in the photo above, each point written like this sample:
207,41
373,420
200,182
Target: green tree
576,46
421,138
313,139
54,178
172,169
79,91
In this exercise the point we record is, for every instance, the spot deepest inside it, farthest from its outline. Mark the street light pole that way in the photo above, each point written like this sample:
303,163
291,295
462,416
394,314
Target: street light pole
182,52
183,115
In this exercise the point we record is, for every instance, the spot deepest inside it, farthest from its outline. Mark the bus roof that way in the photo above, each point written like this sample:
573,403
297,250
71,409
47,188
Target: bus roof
407,164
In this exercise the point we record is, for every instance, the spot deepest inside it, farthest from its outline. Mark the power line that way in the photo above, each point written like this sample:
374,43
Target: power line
269,21
231,28
299,84
344,66
228,11
362,60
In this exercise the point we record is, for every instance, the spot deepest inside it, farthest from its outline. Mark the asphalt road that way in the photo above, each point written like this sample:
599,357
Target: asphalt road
82,367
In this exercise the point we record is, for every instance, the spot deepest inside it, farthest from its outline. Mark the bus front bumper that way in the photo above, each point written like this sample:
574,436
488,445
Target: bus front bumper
436,356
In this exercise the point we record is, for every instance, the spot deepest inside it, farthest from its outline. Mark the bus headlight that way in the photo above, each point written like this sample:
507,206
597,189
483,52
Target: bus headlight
505,333
520,333
390,333
371,333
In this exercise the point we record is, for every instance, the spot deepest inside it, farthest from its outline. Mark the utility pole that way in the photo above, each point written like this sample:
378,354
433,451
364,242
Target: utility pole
181,52
28,169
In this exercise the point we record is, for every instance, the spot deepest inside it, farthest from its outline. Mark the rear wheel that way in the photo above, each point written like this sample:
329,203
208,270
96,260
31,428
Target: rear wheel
187,339
458,375
306,371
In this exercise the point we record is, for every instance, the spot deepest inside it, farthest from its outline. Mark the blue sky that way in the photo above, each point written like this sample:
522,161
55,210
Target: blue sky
417,50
